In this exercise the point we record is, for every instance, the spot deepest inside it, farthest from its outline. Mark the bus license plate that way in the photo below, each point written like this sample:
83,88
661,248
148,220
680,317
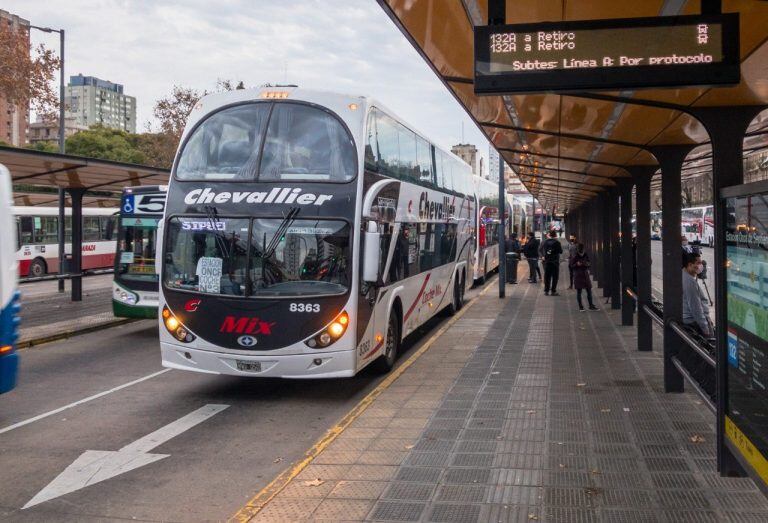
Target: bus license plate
250,366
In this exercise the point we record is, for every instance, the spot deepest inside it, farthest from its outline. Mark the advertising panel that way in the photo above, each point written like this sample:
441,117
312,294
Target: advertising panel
746,422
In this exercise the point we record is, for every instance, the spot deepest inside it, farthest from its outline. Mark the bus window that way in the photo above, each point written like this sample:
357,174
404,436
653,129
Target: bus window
388,147
50,229
226,145
306,143
424,161
407,165
91,231
26,230
371,149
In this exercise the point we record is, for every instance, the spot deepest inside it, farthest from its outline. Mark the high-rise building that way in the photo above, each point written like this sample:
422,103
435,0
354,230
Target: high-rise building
92,101
468,153
14,118
493,163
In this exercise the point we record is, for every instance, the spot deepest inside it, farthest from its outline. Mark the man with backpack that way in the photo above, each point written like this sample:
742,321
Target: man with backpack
551,251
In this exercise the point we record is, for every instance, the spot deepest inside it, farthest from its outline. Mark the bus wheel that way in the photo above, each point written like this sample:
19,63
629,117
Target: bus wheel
455,304
462,288
37,268
386,361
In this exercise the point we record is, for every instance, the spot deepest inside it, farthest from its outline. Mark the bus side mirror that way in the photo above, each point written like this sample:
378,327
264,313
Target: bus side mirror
371,253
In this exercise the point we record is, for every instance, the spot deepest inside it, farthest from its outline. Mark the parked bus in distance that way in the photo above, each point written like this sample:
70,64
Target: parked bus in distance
519,223
306,234
134,288
487,227
9,294
700,223
38,244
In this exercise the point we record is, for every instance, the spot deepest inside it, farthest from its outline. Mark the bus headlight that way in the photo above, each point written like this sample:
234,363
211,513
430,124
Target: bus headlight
124,296
175,327
331,333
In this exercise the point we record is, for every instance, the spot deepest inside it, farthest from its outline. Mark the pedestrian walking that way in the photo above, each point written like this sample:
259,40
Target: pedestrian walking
551,250
531,253
571,253
581,280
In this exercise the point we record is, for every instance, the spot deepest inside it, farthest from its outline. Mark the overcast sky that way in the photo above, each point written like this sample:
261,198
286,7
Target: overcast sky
343,45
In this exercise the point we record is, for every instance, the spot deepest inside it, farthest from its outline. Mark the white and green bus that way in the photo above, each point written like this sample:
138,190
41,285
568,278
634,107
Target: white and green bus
135,285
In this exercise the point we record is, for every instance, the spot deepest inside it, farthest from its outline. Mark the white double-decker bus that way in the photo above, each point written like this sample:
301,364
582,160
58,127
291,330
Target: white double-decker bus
306,234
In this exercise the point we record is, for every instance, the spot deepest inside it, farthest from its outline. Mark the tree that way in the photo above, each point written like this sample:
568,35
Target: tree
46,146
107,144
26,78
158,149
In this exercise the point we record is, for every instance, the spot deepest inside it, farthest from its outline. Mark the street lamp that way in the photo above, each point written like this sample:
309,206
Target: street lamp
62,147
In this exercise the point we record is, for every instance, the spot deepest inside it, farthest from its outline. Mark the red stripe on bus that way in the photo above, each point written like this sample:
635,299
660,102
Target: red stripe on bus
375,349
418,297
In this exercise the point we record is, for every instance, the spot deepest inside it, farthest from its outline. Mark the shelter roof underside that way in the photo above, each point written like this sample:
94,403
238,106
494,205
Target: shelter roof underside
568,146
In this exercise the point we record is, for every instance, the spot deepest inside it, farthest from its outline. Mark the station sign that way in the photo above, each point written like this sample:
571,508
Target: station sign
630,53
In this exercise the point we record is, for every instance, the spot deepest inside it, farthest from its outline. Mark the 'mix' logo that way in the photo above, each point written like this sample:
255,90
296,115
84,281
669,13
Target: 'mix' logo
233,324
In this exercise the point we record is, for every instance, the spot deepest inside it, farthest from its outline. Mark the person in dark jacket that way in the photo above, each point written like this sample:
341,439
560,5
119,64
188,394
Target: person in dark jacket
581,280
550,252
571,253
512,245
531,253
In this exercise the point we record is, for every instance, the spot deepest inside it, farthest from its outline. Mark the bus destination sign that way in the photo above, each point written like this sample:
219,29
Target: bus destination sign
607,54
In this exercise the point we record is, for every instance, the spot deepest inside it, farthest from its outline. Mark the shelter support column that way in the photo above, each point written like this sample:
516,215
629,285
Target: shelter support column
727,127
60,237
605,244
627,257
670,158
642,177
76,268
613,272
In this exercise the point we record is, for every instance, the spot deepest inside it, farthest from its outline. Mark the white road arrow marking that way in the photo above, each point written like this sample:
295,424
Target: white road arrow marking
94,466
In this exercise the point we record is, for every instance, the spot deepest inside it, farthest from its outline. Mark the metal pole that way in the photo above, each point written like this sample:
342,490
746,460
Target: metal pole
502,232
642,177
62,150
77,243
627,259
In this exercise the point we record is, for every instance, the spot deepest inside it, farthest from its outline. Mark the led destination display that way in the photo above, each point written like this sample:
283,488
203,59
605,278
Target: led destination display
607,54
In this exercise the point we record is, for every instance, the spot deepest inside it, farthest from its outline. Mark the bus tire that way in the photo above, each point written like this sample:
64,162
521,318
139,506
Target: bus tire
386,361
462,289
455,304
37,268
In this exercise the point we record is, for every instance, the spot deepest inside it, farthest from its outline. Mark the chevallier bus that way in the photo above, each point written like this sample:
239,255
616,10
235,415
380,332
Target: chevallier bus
306,234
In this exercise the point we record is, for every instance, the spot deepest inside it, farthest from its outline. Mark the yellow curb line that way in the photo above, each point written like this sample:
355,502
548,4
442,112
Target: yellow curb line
27,344
265,495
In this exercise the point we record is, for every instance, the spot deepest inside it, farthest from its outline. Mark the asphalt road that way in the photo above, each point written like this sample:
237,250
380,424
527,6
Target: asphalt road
211,469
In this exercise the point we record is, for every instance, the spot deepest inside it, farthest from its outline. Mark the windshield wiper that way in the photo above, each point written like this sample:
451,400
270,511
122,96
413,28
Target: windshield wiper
213,218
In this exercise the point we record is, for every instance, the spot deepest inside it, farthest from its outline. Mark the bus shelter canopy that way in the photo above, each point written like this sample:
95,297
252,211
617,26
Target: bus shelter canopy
40,199
64,171
569,147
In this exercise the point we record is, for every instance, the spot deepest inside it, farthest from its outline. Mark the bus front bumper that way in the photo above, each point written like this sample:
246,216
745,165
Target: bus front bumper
339,364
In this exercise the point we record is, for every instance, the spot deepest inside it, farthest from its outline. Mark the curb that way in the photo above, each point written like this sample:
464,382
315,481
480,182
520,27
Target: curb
26,344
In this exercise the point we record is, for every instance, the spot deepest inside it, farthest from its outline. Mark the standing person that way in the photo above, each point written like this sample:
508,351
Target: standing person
531,253
551,251
513,246
571,253
695,305
581,280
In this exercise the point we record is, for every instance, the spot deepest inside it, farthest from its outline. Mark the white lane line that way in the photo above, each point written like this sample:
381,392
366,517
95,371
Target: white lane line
80,402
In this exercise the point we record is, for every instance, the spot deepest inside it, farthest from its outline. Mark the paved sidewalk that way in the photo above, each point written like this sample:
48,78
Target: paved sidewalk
48,314
524,410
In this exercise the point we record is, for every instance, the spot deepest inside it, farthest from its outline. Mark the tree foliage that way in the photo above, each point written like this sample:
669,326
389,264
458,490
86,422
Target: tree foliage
26,78
107,144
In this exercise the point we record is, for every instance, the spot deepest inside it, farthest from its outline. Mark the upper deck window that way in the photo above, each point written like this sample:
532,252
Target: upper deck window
271,142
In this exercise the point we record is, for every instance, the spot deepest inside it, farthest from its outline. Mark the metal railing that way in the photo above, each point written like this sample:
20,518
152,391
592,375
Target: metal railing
693,343
695,384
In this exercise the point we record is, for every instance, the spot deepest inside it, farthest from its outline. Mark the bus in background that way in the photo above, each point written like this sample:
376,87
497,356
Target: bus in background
487,227
9,294
306,234
135,284
38,246
519,222
701,224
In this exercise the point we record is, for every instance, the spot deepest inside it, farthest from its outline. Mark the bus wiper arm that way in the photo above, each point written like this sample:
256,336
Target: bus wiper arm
213,218
287,221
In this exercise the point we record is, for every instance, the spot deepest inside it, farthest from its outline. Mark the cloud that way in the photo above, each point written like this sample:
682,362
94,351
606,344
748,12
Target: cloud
150,46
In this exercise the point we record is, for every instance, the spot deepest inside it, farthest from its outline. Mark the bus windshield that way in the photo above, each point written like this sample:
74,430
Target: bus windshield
290,142
136,251
263,257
